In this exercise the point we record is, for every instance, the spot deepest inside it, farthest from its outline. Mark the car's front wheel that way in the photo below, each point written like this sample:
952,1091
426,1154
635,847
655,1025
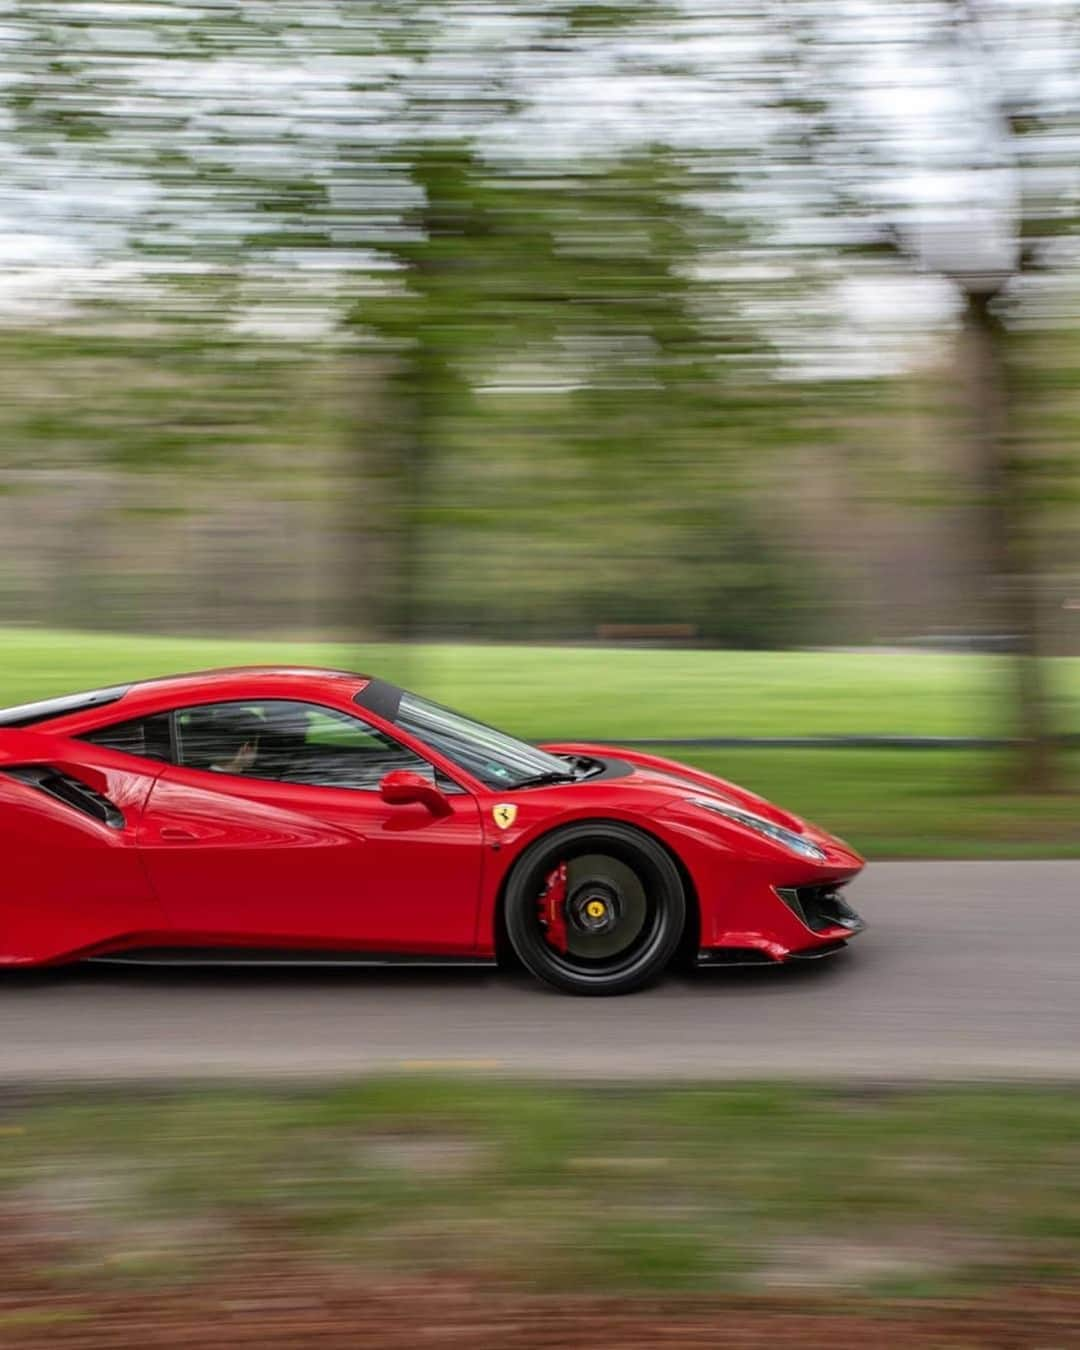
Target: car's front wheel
596,908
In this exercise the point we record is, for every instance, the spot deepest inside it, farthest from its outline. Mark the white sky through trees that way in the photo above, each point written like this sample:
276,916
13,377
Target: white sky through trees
139,141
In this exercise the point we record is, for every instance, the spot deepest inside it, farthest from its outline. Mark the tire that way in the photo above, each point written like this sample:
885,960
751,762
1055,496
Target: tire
554,899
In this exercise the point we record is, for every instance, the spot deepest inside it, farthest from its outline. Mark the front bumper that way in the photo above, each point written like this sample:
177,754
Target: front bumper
790,923
757,902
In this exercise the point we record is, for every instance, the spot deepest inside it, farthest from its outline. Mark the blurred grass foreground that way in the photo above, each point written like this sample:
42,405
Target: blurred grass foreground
537,1215
889,803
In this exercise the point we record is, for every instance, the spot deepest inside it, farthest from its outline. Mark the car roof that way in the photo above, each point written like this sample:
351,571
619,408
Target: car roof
118,702
229,676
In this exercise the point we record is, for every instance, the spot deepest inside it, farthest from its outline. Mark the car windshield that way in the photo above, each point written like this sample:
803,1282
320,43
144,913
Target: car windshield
497,760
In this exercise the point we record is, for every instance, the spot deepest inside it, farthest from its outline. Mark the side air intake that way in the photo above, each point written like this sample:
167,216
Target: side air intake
820,907
64,788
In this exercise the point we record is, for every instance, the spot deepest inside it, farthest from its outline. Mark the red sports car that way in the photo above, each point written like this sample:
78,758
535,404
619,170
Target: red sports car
285,815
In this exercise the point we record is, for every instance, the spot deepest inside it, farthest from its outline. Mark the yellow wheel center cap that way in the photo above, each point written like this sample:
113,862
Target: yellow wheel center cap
596,909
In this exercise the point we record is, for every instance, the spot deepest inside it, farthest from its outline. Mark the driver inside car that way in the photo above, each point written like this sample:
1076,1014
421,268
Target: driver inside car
222,740
238,737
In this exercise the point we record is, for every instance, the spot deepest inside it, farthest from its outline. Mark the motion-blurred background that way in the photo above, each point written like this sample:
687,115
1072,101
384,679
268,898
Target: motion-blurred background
701,371
657,329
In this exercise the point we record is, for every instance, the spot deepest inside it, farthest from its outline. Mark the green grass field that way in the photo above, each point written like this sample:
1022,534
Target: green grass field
595,692
890,803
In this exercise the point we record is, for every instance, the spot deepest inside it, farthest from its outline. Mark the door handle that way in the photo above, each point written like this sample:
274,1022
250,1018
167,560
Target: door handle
176,832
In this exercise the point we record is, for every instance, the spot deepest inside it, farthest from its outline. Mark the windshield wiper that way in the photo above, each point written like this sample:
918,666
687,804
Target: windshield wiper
549,776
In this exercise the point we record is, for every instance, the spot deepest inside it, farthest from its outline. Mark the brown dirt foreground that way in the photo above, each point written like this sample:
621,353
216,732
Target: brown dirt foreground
281,1302
269,1310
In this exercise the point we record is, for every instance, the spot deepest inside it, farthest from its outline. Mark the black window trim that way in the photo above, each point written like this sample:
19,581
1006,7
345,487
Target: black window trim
65,705
438,771
382,698
90,735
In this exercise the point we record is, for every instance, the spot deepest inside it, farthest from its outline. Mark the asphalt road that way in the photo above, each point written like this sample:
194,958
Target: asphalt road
968,970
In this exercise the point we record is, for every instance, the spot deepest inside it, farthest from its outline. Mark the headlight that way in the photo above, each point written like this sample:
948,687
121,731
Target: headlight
788,839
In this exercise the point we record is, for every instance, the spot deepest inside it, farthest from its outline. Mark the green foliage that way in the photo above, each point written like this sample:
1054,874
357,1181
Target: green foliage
163,402
568,396
616,369
458,262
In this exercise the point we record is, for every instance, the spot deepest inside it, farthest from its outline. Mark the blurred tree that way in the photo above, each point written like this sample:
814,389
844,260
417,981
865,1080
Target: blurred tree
661,373
271,158
430,325
622,218
987,261
990,138
585,281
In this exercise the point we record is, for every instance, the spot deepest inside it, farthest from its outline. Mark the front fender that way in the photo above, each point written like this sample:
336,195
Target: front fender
686,773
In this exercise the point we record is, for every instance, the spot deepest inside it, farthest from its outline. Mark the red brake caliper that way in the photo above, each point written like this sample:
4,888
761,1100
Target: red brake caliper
552,908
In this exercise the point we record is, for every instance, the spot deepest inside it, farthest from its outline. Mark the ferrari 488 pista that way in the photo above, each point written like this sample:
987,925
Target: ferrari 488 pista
293,815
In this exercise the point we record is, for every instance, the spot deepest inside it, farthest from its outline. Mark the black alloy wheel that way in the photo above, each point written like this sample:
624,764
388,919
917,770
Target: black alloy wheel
596,908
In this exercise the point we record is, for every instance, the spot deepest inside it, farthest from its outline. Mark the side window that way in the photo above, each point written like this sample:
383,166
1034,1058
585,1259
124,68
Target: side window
290,743
147,737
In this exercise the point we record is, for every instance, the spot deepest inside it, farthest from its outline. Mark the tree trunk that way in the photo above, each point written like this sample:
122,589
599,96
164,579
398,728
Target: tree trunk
1009,563
382,595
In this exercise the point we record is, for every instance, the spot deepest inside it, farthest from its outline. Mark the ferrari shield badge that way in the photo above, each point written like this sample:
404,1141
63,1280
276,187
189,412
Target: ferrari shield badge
504,815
